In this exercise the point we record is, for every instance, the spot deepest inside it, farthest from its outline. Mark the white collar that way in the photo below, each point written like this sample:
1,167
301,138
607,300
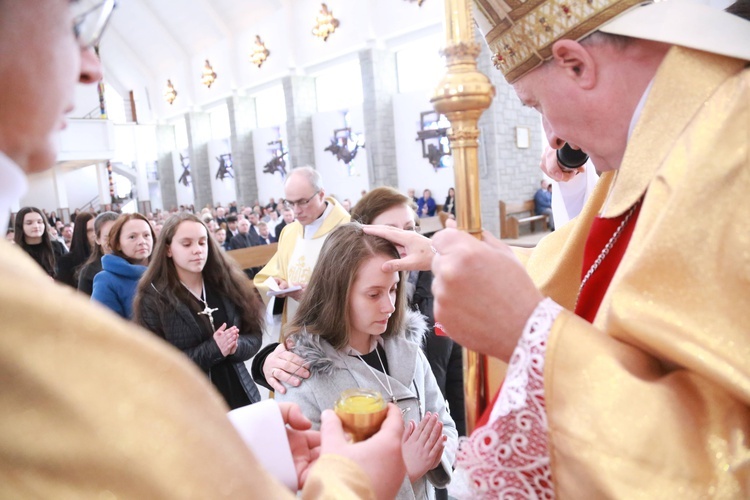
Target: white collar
312,228
13,186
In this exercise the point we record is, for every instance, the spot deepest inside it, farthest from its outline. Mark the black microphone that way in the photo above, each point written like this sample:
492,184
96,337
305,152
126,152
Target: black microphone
571,158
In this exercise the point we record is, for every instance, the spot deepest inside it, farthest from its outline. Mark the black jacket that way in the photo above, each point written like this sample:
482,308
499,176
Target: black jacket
445,356
178,326
250,239
86,277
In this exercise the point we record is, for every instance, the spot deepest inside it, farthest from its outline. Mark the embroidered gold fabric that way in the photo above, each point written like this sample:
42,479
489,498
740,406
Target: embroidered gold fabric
523,31
653,399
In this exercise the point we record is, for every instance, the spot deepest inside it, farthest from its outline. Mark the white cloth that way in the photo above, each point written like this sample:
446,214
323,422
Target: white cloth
687,24
508,457
13,185
569,197
262,428
312,228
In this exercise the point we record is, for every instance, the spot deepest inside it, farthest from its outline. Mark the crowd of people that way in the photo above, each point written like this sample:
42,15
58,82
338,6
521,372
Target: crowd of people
624,329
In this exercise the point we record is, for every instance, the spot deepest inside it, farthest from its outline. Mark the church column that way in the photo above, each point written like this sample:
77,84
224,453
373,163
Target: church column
199,133
379,84
61,192
165,144
241,124
301,104
506,172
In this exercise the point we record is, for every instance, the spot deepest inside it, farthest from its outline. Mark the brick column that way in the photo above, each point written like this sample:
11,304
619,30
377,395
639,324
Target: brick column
506,172
241,123
301,104
379,84
199,133
165,144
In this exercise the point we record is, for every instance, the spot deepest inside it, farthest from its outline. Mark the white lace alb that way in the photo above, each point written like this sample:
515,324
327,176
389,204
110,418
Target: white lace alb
508,458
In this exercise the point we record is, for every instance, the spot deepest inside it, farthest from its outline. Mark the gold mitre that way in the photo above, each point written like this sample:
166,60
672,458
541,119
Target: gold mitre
520,33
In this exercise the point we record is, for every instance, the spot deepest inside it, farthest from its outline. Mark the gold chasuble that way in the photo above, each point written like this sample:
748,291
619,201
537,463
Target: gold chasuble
651,401
295,257
94,407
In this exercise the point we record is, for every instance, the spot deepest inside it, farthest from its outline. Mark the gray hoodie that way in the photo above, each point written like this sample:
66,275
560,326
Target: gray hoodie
411,378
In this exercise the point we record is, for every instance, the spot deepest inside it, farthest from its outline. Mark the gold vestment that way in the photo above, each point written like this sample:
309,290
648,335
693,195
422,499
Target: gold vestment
651,401
94,407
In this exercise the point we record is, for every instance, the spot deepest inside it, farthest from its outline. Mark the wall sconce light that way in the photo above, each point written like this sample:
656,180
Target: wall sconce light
170,94
209,75
260,53
325,23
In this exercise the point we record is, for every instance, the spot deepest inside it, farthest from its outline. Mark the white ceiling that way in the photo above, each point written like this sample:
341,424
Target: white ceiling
149,41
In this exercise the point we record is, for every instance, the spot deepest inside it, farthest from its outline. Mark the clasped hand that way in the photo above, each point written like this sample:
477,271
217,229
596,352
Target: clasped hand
423,445
226,339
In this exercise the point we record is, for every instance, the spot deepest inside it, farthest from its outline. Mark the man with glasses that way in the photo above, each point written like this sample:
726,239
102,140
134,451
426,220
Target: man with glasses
92,406
301,241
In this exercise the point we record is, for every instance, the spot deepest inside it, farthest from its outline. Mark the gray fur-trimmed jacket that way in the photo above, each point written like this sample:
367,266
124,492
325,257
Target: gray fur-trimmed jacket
414,388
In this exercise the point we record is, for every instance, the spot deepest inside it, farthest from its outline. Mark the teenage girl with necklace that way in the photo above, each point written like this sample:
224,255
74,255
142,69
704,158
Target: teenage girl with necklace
200,302
354,330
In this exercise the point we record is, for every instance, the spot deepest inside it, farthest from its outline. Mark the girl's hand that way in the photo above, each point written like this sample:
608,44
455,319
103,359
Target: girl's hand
422,446
226,339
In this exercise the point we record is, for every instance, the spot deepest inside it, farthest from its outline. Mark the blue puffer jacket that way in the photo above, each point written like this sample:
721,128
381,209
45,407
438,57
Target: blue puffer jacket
115,285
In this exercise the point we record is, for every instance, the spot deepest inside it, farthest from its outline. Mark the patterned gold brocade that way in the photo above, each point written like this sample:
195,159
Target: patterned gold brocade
93,407
523,31
652,401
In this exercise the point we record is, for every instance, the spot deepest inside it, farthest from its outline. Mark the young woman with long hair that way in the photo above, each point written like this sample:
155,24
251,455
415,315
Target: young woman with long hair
30,233
131,240
385,206
202,303
354,330
80,249
102,225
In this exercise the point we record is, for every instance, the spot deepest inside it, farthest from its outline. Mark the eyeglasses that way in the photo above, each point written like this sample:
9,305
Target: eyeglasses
90,18
300,203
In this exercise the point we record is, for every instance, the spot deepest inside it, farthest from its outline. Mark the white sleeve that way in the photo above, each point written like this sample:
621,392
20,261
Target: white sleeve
262,428
509,455
569,197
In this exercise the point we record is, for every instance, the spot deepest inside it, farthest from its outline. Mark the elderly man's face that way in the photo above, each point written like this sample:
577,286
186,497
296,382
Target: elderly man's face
588,112
244,226
41,64
309,204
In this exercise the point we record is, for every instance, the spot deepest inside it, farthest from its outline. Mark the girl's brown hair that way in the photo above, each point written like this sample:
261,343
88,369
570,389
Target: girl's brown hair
376,202
116,231
48,257
220,273
324,309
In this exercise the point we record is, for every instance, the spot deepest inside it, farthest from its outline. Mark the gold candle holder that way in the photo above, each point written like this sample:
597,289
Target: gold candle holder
361,411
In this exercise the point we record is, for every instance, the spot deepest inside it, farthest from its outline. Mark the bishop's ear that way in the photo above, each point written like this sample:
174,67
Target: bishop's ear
576,62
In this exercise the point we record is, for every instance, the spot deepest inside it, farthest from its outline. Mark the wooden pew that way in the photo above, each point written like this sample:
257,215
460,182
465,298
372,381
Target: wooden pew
250,257
512,215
